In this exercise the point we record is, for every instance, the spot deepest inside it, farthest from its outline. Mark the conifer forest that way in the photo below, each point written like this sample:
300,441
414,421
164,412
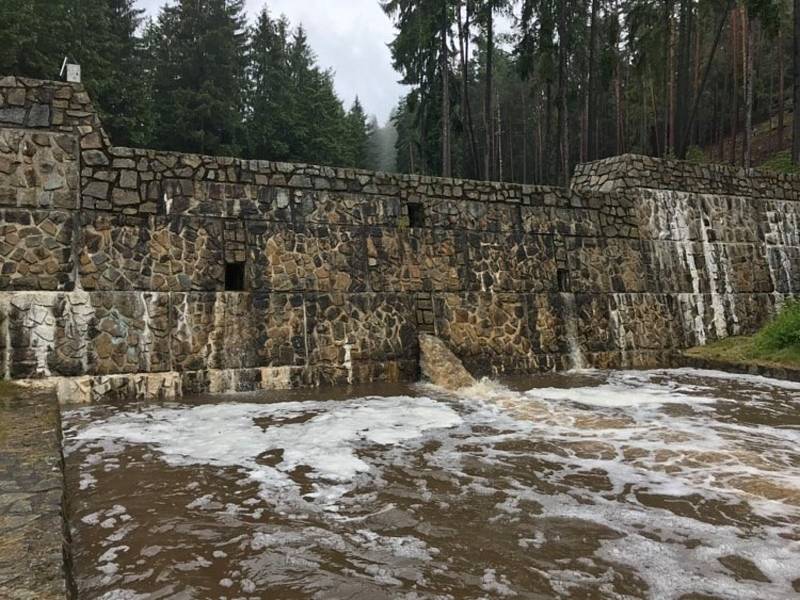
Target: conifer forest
506,90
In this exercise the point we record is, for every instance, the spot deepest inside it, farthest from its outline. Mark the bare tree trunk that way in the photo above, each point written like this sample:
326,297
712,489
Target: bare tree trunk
540,145
463,44
591,92
702,86
655,116
524,136
796,84
620,128
563,121
499,145
447,170
781,90
549,145
696,92
735,63
487,109
743,38
748,153
684,74
670,120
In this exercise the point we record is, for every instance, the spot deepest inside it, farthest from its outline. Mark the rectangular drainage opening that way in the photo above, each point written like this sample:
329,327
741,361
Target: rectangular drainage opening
416,215
234,277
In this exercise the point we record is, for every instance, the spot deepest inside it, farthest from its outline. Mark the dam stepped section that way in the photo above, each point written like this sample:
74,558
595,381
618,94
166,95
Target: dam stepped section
130,273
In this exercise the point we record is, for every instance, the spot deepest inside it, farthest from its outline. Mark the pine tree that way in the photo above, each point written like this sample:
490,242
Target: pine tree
112,61
420,52
270,118
199,76
358,135
318,127
33,37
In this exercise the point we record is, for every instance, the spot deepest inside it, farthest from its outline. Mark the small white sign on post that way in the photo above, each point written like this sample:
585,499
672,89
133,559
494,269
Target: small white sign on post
73,73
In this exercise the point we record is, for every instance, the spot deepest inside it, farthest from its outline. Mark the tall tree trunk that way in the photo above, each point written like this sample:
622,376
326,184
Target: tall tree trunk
524,135
563,122
618,101
591,92
796,84
669,121
487,108
463,42
702,86
743,39
696,92
749,50
735,64
781,90
655,117
551,153
684,74
447,170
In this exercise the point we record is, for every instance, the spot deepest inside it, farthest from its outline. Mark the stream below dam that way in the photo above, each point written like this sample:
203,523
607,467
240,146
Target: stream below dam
659,484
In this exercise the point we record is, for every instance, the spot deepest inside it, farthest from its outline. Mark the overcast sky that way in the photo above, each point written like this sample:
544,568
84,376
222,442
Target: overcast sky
348,36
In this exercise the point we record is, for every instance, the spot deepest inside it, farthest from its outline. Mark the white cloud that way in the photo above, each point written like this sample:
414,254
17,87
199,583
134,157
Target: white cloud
350,37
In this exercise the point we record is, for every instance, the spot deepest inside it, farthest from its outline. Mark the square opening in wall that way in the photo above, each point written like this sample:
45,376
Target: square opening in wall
234,277
416,215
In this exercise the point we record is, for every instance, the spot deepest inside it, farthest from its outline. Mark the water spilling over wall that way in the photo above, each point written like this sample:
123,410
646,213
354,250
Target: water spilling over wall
134,272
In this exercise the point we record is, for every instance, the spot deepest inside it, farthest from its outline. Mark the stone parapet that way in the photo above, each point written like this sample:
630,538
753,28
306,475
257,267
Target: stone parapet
630,171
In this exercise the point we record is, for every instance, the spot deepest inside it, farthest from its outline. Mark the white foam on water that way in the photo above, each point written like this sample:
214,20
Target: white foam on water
613,455
633,441
614,395
227,435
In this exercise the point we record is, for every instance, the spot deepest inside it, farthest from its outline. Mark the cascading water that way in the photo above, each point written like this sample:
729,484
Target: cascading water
578,361
783,221
621,313
41,326
147,334
670,220
78,312
5,311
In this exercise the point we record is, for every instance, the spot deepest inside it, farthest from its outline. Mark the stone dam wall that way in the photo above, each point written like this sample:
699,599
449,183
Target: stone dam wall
130,273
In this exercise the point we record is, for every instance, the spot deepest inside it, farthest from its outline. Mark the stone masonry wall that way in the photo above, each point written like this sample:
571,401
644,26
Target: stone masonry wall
113,263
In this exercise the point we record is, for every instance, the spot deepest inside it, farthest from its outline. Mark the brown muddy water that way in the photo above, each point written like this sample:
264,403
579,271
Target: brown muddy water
659,484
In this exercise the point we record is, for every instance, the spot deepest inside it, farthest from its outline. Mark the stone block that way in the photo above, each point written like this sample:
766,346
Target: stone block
36,250
313,258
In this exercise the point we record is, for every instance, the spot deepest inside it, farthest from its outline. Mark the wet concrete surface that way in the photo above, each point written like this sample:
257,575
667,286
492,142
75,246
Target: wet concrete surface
31,489
669,484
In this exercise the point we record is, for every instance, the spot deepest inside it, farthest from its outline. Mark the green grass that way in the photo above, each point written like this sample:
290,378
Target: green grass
781,162
776,345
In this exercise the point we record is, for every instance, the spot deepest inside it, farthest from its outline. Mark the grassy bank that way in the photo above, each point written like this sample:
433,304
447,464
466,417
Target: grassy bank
776,345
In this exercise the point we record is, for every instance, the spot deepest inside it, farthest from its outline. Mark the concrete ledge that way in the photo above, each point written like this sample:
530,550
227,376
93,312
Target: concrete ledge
33,539
173,385
785,373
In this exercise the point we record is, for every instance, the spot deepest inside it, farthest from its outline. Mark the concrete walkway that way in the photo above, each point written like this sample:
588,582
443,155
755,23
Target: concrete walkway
32,540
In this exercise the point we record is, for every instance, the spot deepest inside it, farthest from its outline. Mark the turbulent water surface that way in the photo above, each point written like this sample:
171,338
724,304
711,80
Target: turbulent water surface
659,484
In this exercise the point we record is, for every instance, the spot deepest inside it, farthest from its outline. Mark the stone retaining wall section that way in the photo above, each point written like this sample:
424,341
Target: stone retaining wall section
113,262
